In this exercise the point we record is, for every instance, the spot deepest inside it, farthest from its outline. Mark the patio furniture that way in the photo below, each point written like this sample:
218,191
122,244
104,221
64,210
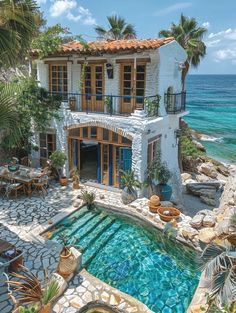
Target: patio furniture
13,187
11,258
25,176
26,161
40,185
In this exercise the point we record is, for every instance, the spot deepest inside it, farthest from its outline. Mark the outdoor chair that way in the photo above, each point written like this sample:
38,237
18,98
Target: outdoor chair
13,187
3,185
40,185
26,161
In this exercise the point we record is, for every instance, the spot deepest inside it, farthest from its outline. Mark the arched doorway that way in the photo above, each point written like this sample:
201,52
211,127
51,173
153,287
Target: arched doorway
99,153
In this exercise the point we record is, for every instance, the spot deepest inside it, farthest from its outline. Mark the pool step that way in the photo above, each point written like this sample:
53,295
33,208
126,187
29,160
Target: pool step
82,212
81,225
91,227
104,239
95,233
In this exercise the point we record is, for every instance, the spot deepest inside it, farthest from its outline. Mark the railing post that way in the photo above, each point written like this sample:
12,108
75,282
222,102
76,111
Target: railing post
111,105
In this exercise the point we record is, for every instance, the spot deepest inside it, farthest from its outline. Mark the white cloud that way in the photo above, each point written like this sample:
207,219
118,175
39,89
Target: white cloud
60,7
71,10
84,15
174,7
222,45
206,25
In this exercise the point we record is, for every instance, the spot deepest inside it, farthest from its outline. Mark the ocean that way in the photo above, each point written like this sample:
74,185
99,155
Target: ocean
211,101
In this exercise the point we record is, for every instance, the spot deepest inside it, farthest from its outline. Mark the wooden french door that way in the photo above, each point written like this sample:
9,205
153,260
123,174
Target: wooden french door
132,87
105,164
92,99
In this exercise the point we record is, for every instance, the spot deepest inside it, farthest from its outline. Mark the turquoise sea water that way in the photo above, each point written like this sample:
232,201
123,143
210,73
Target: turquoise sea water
211,100
133,258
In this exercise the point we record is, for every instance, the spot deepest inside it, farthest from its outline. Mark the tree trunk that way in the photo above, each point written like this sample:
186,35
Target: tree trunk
184,74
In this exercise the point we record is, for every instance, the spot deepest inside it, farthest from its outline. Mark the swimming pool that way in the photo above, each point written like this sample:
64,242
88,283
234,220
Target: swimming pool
133,258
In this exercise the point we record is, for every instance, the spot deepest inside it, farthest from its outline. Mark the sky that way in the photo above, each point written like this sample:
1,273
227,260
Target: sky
149,17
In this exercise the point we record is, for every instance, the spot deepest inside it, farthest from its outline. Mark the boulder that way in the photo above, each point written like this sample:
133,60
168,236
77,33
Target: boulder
206,235
209,221
196,222
188,232
185,176
208,169
199,146
202,178
208,201
223,170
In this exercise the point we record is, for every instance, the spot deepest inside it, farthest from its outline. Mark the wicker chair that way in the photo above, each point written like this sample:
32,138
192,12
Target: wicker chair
40,185
26,161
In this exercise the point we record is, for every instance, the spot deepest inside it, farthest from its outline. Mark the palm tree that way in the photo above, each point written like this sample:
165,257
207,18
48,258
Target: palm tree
219,263
189,35
118,29
17,26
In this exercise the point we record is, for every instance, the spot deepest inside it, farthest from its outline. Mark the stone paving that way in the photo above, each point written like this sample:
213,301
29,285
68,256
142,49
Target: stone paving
23,219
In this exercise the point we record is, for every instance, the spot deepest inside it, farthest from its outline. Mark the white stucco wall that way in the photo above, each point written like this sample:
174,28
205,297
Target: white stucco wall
43,74
161,73
169,72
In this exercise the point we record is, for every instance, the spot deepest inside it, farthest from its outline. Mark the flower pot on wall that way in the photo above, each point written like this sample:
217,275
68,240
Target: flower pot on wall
63,181
165,192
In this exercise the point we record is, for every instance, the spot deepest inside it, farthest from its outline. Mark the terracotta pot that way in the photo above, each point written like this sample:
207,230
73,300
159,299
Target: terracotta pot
173,213
72,104
63,181
67,264
152,208
45,308
16,265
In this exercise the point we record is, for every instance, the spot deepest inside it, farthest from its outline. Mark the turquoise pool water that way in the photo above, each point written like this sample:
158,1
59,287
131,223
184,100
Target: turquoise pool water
133,258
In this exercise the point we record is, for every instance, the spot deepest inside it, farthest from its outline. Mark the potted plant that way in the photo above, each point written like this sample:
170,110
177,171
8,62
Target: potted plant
67,264
88,198
129,183
72,103
58,159
158,175
74,173
29,291
163,175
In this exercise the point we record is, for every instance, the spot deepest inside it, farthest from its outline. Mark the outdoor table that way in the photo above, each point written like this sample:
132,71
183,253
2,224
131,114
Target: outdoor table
17,177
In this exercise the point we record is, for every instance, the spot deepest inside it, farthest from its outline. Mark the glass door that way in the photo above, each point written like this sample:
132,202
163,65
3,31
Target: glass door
132,87
93,88
116,158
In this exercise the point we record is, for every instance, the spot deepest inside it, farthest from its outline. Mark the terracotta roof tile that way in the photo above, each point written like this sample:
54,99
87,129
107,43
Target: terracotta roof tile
113,46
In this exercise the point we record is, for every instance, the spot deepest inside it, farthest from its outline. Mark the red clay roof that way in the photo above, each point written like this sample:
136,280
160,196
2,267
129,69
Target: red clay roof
113,46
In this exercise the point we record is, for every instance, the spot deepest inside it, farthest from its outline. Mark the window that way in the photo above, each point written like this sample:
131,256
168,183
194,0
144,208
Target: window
47,144
58,78
154,149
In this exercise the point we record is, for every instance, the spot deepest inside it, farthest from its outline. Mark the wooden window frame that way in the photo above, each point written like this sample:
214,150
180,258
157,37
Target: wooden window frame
153,142
53,142
63,85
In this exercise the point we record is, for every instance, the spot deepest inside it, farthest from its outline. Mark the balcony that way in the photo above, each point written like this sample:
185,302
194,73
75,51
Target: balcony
109,104
175,102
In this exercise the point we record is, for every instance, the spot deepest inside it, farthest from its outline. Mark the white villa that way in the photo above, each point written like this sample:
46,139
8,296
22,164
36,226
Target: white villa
111,119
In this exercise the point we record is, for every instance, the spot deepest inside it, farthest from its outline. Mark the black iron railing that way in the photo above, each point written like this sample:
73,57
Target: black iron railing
109,104
175,102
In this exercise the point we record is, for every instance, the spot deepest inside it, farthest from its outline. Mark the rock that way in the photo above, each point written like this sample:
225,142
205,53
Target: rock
209,221
167,204
198,308
190,181
206,235
209,193
208,169
185,176
199,146
195,187
196,222
188,232
202,178
76,204
223,170
208,201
